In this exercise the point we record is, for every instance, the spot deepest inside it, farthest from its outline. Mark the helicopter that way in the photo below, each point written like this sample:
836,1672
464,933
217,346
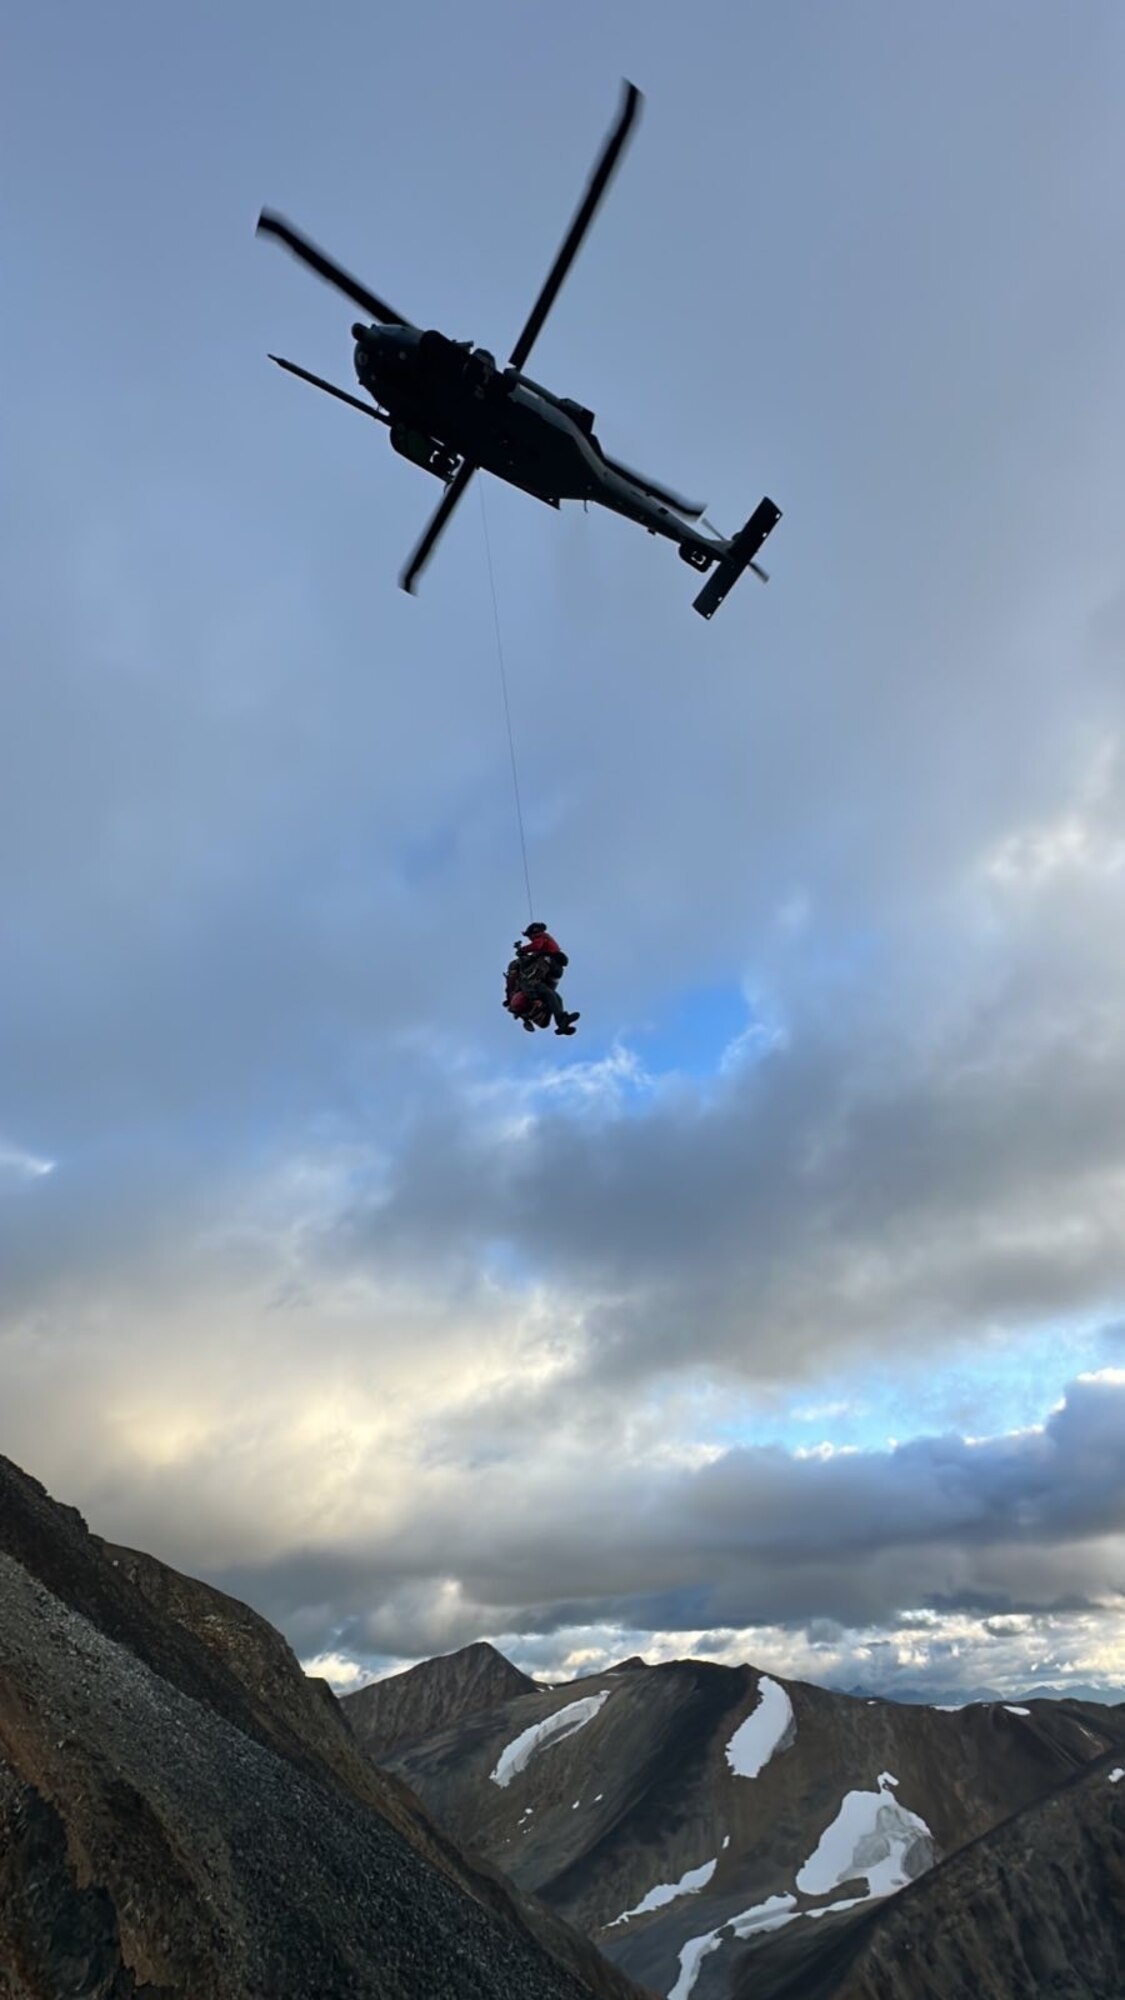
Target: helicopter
451,409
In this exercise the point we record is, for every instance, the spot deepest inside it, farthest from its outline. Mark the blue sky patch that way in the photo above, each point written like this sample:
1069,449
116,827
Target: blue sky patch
690,1032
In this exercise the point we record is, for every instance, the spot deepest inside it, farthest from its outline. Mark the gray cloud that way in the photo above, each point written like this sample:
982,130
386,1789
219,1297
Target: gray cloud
821,1202
1024,1525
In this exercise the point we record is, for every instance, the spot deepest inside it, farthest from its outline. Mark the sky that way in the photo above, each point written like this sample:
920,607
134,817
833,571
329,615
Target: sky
780,1314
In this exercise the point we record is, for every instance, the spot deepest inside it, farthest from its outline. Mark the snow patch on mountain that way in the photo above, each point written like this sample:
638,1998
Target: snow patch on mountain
767,1916
874,1836
770,1727
1013,1710
691,1957
667,1892
552,1729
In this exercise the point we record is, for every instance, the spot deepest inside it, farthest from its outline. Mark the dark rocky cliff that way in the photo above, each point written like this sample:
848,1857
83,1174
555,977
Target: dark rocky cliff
183,1813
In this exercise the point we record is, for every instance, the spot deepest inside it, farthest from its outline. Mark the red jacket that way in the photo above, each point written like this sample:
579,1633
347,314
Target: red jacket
543,942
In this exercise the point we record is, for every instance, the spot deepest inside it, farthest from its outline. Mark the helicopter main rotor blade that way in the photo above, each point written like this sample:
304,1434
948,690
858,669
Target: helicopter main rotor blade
448,502
587,208
270,224
330,389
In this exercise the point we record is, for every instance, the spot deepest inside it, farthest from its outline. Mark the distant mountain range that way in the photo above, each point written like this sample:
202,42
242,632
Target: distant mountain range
922,1696
721,1833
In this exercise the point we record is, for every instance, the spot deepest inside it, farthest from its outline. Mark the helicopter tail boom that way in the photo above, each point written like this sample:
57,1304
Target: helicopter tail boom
740,553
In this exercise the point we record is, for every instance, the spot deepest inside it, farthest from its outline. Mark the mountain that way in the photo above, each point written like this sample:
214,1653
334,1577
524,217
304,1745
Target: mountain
921,1696
396,1711
1037,1906
702,1822
184,1815
1112,1697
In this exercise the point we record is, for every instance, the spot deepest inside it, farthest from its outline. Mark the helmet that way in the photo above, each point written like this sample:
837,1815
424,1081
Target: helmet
535,930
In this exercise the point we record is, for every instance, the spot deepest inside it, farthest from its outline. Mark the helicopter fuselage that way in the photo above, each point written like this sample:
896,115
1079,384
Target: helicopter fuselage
448,402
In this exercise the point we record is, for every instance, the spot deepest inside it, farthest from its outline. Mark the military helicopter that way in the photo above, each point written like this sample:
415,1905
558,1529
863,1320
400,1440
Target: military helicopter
450,409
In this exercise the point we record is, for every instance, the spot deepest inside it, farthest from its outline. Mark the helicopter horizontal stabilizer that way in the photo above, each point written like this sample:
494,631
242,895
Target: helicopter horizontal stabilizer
741,551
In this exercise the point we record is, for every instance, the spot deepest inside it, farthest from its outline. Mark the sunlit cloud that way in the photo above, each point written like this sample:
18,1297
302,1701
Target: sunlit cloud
343,1676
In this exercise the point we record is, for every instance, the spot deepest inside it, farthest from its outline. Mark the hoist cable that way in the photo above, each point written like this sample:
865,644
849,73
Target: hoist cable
507,704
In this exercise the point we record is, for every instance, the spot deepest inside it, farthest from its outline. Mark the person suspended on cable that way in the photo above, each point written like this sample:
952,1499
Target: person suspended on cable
519,1000
530,991
542,962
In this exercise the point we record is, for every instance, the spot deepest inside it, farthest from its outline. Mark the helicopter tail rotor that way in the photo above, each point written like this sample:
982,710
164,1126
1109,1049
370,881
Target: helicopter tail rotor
740,553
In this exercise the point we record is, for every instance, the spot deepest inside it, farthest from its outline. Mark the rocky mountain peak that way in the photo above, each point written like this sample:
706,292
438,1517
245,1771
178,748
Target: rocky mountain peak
392,1713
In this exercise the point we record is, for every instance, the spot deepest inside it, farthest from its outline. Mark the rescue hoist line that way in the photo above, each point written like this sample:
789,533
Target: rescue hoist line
507,704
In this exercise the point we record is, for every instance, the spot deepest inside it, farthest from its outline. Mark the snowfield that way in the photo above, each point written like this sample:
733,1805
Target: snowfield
1012,1710
770,1727
668,1892
767,1916
564,1722
871,1835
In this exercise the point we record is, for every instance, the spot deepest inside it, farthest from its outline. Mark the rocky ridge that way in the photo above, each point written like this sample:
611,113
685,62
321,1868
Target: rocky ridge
183,1813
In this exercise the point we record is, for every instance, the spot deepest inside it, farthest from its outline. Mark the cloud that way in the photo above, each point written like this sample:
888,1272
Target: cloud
343,1676
377,1524
17,1165
1030,1524
835,1199
1088,840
